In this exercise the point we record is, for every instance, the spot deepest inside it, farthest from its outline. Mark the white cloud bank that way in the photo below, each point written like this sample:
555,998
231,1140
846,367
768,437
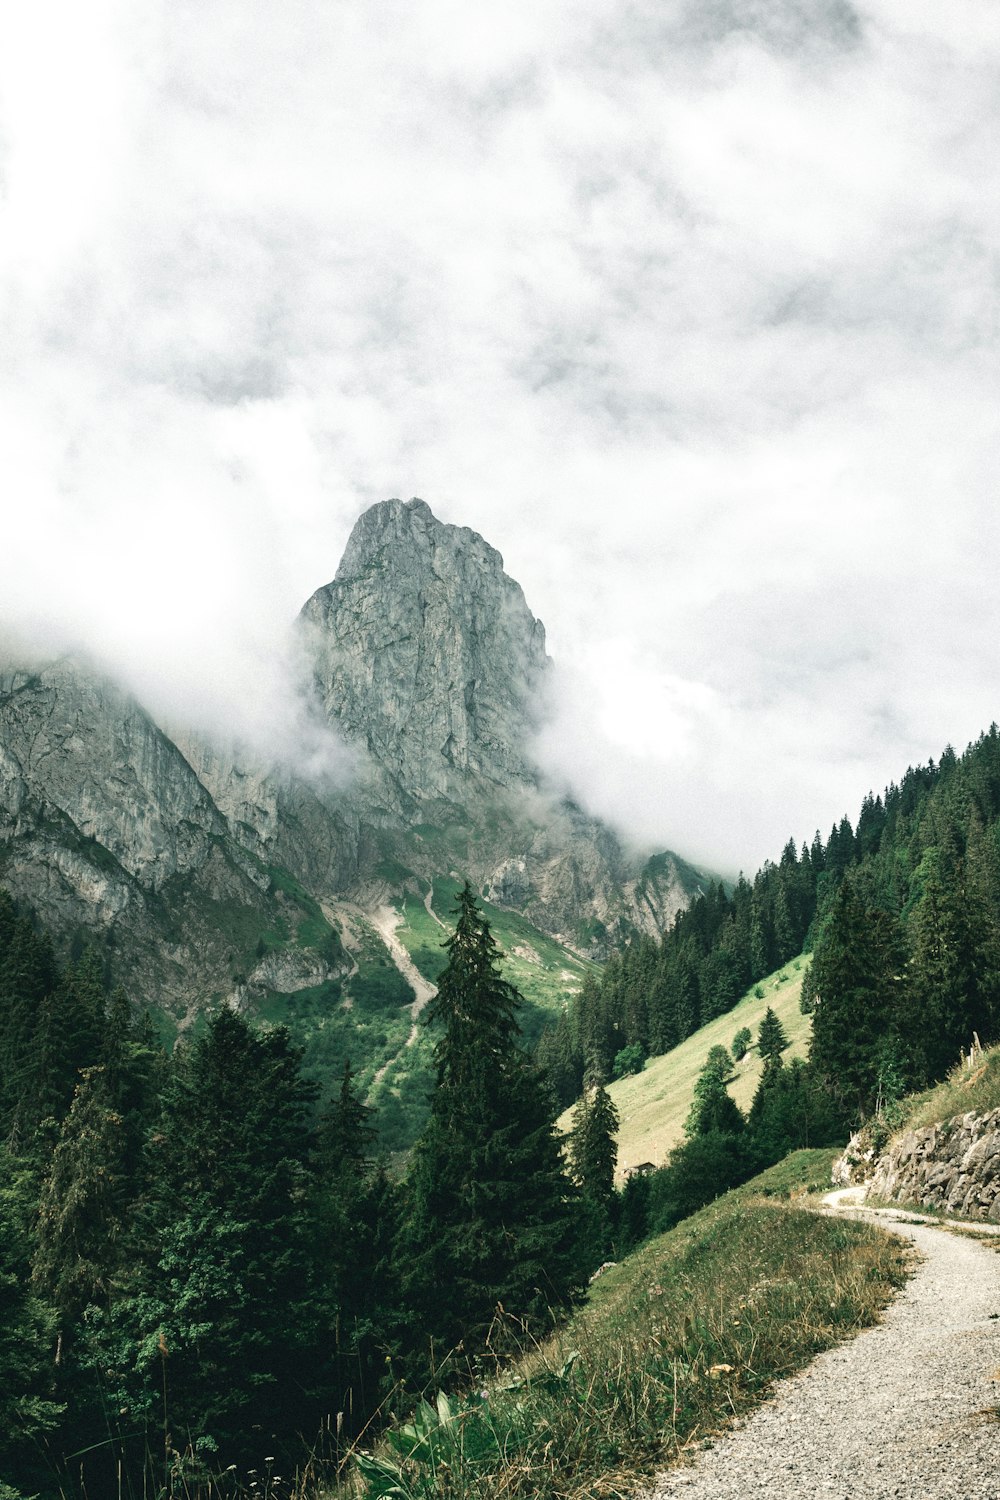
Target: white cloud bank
690,308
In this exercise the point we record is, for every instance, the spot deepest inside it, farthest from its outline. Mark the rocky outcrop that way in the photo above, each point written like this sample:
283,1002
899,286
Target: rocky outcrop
108,833
953,1166
427,660
426,655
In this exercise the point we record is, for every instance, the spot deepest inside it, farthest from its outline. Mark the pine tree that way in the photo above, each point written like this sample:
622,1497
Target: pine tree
492,1216
225,1306
83,1205
355,1220
771,1038
713,1110
593,1149
951,957
27,1336
857,970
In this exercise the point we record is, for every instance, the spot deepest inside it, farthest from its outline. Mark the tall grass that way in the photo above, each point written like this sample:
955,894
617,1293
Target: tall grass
966,1088
691,1330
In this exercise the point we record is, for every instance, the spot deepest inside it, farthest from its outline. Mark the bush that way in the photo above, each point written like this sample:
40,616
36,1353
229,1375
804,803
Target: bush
631,1059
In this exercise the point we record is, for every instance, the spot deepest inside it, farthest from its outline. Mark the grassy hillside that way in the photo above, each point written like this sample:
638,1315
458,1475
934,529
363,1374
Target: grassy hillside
683,1334
654,1104
364,1014
966,1088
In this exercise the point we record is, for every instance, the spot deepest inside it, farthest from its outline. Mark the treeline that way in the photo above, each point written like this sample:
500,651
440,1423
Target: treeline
937,829
201,1269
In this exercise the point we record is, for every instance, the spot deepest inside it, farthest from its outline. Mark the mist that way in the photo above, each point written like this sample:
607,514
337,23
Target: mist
690,309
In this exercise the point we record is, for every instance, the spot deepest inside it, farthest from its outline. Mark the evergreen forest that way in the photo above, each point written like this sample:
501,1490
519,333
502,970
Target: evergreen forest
901,912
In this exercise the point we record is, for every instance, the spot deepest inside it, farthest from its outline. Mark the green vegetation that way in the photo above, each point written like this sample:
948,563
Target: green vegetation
902,913
967,1087
544,972
197,1263
491,1215
654,1104
689,1330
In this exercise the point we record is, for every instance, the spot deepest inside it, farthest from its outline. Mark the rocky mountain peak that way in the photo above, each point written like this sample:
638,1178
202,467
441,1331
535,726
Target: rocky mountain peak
425,652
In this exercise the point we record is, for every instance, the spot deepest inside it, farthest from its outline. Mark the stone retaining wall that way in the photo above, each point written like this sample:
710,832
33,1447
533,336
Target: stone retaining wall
954,1166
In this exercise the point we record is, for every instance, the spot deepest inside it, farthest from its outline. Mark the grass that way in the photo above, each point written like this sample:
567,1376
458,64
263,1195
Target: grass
965,1089
363,1018
654,1104
685,1334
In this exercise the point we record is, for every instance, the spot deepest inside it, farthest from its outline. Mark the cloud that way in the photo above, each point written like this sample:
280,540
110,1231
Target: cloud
689,308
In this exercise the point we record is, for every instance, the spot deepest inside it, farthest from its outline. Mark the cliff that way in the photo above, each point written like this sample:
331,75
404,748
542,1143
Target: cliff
203,873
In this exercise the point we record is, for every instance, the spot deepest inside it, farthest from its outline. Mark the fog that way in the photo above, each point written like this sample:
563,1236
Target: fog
689,308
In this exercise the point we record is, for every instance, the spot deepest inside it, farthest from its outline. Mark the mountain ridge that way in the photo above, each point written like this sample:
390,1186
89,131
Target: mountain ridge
203,874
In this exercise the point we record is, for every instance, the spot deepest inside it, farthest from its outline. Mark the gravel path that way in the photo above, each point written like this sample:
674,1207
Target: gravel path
898,1411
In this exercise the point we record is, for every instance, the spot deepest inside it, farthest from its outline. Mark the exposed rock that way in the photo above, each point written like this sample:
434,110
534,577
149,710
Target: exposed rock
426,653
858,1161
427,661
953,1166
106,830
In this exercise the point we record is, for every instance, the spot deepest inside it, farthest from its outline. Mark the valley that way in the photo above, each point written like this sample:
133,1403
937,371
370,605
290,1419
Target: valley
247,1187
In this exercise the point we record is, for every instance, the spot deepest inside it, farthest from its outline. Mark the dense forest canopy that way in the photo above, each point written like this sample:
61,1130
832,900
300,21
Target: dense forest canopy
199,1266
923,865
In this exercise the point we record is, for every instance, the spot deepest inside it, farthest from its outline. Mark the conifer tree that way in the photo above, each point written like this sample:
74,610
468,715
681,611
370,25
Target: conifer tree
83,1203
593,1149
225,1307
492,1217
713,1110
771,1038
857,971
27,1411
951,958
355,1223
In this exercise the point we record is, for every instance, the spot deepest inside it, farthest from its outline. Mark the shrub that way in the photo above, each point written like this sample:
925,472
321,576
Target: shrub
631,1059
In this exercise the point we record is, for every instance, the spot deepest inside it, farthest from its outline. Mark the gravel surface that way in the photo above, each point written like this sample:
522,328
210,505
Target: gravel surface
906,1409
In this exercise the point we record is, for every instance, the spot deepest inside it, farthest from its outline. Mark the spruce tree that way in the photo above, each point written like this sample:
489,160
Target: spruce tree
83,1205
713,1110
224,1308
492,1215
593,1149
856,975
27,1339
771,1038
951,958
355,1220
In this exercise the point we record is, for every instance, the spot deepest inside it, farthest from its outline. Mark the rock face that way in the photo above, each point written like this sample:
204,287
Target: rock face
954,1166
427,659
205,875
426,654
106,830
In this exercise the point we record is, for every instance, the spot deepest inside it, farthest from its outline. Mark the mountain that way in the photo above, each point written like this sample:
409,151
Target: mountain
205,875
425,652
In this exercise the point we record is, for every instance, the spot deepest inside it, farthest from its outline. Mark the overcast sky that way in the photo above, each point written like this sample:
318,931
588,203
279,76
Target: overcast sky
689,306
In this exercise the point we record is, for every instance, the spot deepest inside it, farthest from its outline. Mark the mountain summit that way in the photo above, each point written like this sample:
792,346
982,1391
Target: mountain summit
426,653
204,876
